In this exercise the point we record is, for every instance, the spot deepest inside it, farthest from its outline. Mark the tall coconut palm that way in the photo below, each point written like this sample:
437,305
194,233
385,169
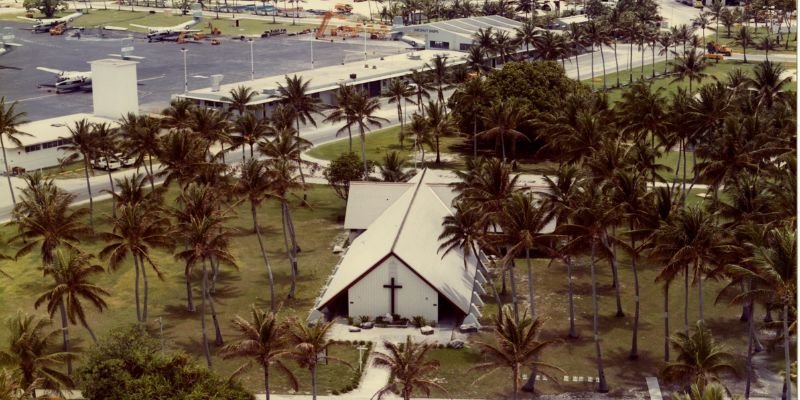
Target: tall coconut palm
505,45
12,387
71,287
252,130
440,125
421,83
399,92
590,216
410,368
208,239
516,345
485,39
263,340
503,119
181,154
136,231
689,66
364,109
10,119
420,135
131,190
295,93
522,223
392,168
284,181
140,136
211,126
464,231
239,98
30,349
773,278
83,146
576,37
527,35
476,60
253,184
178,116
307,342
699,358
665,40
342,112
108,146
44,218
768,82
743,38
440,76
467,99
596,35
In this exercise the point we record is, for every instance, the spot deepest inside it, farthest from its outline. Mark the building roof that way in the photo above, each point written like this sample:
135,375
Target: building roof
328,78
366,202
574,19
464,27
50,129
408,229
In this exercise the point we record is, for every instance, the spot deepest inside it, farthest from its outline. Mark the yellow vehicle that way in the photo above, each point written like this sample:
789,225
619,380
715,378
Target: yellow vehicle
698,4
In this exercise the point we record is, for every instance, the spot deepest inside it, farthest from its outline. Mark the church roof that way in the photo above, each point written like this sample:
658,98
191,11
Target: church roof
408,229
366,201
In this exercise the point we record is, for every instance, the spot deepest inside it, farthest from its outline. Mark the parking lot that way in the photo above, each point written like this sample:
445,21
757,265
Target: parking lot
161,72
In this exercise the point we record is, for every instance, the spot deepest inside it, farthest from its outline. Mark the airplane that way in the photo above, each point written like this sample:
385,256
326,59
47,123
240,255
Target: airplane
6,44
69,80
44,25
172,32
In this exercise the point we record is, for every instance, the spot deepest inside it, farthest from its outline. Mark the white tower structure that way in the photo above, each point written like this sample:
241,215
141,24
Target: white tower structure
114,88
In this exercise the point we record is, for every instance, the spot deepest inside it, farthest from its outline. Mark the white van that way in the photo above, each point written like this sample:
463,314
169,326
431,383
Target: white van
105,164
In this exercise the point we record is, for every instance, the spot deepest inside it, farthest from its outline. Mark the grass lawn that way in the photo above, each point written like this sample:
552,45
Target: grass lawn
576,356
382,142
758,35
715,70
319,227
170,17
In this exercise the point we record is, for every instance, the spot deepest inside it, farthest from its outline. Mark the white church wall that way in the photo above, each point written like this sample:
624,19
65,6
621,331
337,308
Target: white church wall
369,297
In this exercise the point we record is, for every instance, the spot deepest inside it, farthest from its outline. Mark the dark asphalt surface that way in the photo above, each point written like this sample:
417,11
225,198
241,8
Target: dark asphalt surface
161,72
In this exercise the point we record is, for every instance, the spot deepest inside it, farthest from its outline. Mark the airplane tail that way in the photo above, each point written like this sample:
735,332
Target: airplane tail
197,13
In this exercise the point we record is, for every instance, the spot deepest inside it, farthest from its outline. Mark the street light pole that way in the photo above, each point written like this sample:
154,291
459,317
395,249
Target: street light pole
365,42
252,64
312,52
185,72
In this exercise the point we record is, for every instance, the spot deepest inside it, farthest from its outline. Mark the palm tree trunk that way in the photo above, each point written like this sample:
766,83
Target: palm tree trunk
299,164
666,322
65,334
266,260
686,299
8,173
653,59
206,350
91,333
592,63
602,385
573,334
699,289
514,292
750,339
266,379
616,60
402,124
150,174
630,65
189,294
289,250
530,284
787,378
634,355
603,60
113,197
577,65
136,289
474,136
314,382
438,159
364,151
89,188
218,341
614,275
144,280
514,384
503,146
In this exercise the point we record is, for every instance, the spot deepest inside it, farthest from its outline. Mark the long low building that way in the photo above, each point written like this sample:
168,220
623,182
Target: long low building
41,141
458,34
372,76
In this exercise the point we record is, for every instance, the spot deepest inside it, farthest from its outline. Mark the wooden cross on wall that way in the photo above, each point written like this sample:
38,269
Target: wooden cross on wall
391,286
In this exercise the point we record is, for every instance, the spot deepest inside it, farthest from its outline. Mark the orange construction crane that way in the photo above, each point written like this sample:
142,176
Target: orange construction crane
324,24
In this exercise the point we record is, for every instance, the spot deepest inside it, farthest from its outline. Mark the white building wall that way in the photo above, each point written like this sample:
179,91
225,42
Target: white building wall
44,158
369,297
114,88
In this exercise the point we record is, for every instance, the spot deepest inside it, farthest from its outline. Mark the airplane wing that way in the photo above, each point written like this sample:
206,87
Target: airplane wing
50,70
146,27
28,19
114,28
189,30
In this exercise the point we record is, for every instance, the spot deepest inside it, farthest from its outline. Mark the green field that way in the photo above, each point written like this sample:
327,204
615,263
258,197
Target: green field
170,17
758,35
319,228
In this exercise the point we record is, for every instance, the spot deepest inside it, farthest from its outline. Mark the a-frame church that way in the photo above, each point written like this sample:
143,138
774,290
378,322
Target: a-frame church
395,266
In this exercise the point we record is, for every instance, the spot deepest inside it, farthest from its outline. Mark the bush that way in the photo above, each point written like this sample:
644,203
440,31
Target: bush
335,392
418,321
350,321
364,318
344,169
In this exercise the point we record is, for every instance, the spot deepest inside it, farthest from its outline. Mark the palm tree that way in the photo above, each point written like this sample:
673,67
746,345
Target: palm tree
476,60
485,39
364,108
252,130
768,83
11,386
342,111
767,44
712,391
239,99
772,280
107,144
703,22
392,168
295,94
136,230
700,359
596,35
421,84
264,341
178,116
141,140
208,239
409,367
550,46
10,119
690,66
284,181
44,218
30,349
212,126
399,92
504,45
71,272
504,118
576,37
440,77
439,124
131,190
590,217
420,133
522,223
467,99
181,154
527,34
743,38
307,342
83,145
716,9
253,183
516,345
665,40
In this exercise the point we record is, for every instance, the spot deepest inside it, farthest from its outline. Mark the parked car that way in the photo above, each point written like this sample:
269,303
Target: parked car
106,164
